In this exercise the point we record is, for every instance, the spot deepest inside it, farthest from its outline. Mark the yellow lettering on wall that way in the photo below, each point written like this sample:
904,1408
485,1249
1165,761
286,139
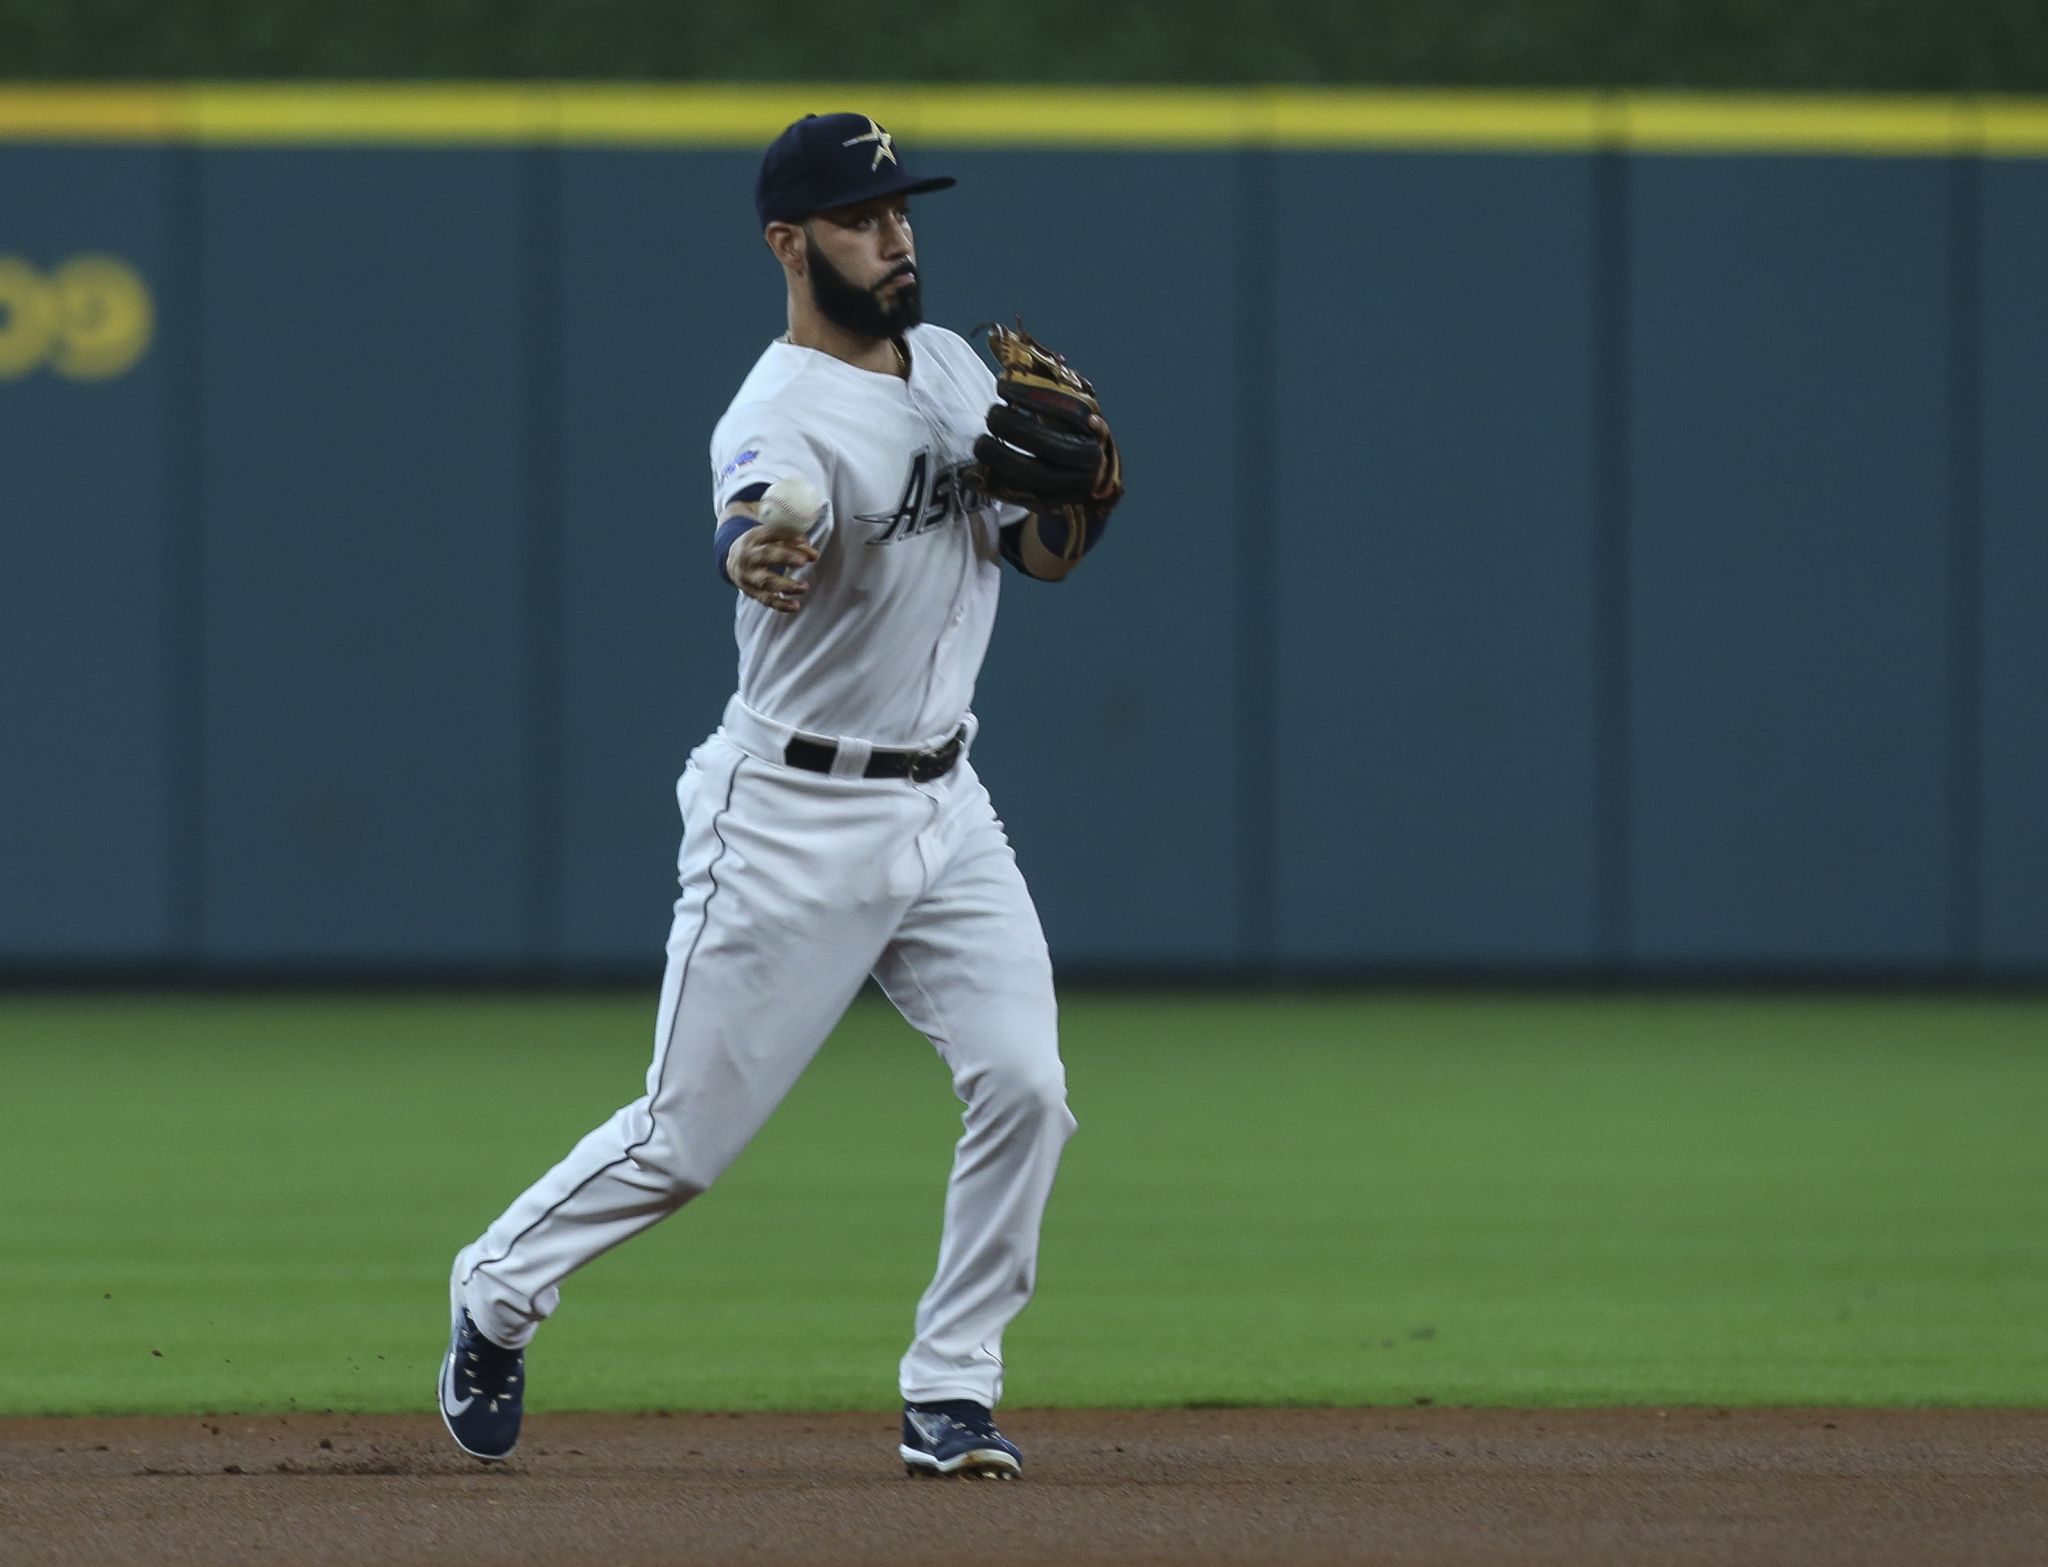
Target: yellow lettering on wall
90,319
28,318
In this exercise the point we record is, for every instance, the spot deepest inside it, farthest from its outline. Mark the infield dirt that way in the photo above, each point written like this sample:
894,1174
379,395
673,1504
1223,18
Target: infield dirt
1400,1486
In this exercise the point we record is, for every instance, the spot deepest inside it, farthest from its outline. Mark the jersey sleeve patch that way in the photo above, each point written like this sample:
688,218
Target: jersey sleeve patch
745,461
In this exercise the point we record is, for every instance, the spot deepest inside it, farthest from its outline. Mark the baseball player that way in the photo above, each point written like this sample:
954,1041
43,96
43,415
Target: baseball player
870,480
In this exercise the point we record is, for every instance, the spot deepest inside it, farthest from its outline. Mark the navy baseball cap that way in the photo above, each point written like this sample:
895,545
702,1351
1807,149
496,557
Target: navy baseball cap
833,160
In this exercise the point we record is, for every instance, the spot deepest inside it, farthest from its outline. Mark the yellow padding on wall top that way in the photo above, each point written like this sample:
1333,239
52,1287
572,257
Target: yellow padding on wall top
1165,119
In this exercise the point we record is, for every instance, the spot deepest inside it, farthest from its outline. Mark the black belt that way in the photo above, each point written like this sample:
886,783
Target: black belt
814,756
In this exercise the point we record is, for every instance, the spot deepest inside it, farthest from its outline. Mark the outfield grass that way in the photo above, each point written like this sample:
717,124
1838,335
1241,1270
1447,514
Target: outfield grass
249,1204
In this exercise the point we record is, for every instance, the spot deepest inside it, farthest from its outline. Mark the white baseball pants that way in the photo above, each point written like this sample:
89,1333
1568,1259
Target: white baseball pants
795,887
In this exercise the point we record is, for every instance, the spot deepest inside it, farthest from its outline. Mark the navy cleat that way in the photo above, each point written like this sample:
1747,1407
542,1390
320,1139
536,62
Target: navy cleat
482,1391
957,1437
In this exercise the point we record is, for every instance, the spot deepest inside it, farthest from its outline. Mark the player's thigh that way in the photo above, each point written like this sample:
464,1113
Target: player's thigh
968,965
782,870
760,966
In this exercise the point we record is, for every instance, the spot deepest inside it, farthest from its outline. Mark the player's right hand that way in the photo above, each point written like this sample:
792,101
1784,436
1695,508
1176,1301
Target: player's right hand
760,562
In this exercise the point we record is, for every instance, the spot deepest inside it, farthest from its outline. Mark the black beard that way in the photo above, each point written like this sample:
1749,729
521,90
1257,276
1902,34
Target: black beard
858,310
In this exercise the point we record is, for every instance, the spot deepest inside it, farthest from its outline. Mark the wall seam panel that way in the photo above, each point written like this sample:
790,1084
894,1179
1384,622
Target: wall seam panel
542,559
1966,554
1256,750
183,680
1612,675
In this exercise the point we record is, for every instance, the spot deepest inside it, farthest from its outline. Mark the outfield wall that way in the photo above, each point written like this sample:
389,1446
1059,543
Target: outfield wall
1574,536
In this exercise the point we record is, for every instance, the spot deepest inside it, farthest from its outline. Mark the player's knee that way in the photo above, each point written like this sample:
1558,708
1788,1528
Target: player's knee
671,1186
1033,1090
670,1175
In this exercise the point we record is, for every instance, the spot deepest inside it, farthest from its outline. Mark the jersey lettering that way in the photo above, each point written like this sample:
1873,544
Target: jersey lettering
926,503
895,464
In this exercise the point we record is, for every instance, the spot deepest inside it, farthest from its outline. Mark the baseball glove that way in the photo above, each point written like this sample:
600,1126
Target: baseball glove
1041,451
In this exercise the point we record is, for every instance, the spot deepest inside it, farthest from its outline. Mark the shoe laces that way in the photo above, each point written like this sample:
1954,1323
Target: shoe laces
491,1370
968,1416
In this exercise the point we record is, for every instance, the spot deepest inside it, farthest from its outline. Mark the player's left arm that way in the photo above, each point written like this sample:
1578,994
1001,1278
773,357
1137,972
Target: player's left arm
1048,450
1049,542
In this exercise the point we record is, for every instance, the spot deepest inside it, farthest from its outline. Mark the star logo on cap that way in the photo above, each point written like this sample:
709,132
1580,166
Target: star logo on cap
884,144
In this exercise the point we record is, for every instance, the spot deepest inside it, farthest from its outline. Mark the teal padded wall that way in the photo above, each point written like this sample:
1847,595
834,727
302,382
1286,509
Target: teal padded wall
1534,564
93,715
1789,522
664,307
2010,764
1430,498
364,483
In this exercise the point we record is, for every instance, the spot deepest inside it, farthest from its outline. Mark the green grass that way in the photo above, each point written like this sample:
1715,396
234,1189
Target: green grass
1315,1200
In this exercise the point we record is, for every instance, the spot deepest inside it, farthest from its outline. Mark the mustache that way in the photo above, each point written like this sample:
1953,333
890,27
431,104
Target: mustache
908,269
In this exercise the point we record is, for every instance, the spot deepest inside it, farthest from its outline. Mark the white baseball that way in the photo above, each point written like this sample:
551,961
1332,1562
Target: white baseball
791,506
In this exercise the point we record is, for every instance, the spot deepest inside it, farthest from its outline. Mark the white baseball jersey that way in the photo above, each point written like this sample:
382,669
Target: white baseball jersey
903,598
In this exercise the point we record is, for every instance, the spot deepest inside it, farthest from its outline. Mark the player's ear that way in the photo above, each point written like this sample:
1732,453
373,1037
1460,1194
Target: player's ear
787,241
